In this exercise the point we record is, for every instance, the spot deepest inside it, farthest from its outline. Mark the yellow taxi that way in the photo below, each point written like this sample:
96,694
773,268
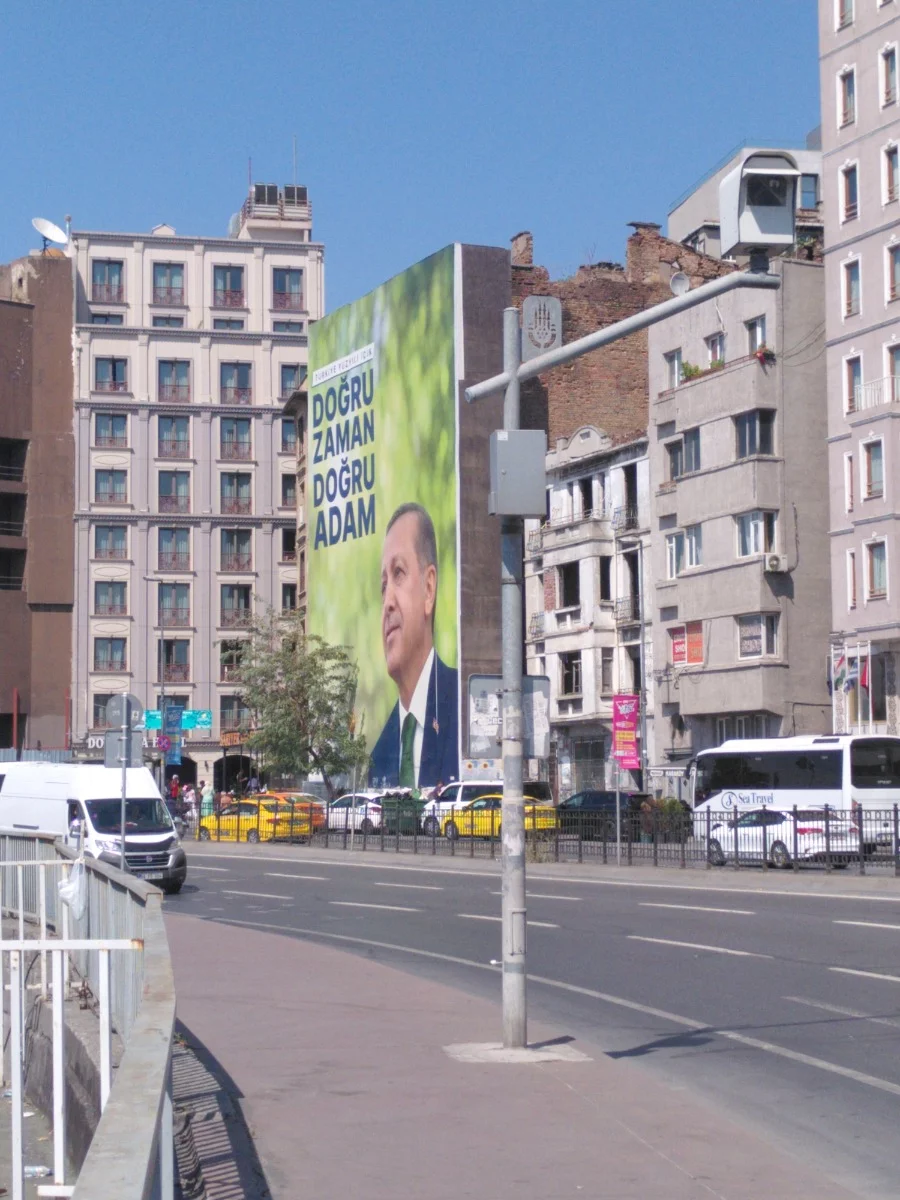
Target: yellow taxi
260,818
481,818
303,802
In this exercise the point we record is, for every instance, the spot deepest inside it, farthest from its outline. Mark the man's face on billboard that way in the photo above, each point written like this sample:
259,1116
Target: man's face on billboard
407,604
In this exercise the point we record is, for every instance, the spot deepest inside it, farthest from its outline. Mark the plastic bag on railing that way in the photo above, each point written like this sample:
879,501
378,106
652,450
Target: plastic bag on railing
73,891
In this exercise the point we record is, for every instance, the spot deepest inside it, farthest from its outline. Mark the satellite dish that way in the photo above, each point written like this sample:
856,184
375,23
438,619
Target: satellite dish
679,283
49,232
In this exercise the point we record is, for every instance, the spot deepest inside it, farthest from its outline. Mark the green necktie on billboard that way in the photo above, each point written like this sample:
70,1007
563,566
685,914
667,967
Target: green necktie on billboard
407,759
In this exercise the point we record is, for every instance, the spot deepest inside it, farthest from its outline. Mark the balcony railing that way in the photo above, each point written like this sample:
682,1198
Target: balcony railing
228,672
174,393
110,664
174,560
234,722
288,447
224,298
103,497
168,295
535,541
235,618
876,393
179,504
236,505
177,618
110,609
110,440
237,451
289,556
110,553
237,395
628,610
110,385
625,517
292,301
107,293
237,562
173,672
174,448
536,627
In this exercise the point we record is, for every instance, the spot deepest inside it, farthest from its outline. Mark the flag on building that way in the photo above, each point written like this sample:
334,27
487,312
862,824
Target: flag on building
864,674
852,676
840,672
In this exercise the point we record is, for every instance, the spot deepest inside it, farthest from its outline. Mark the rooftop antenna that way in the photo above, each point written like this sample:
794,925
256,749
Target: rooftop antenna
49,233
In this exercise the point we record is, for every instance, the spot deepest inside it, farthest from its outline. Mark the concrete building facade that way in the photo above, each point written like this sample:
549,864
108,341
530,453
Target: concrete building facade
858,42
186,353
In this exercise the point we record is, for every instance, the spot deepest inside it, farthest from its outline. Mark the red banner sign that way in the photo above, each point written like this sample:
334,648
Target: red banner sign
626,722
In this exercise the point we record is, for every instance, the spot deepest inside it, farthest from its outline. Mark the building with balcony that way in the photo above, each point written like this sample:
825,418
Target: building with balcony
858,44
585,605
187,351
37,468
739,544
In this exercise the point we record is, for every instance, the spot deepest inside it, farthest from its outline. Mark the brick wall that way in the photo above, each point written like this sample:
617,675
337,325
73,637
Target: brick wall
550,589
607,388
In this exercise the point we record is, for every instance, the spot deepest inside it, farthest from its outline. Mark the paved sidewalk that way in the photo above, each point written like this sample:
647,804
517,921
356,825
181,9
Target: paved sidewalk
338,1065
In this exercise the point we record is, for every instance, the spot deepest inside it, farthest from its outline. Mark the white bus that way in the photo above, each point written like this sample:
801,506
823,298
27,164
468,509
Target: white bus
845,771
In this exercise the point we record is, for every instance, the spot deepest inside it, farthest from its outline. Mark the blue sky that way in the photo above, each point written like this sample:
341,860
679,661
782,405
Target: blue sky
417,123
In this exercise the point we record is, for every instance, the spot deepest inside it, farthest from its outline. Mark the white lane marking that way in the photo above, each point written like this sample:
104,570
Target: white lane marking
865,974
541,924
479,917
194,867
358,904
545,896
867,924
843,1012
291,875
740,912
412,887
255,895
821,1064
635,937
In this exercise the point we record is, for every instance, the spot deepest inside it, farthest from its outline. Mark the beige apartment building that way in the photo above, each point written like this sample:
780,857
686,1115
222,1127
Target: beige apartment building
858,41
186,352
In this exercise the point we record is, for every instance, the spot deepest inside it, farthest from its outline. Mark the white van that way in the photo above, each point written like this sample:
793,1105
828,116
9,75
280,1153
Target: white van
78,801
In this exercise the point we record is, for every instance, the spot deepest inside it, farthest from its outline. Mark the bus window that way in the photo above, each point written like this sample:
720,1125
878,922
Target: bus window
875,763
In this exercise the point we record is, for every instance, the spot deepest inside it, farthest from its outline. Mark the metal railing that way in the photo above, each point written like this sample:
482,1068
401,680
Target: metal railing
628,610
289,301
625,517
107,293
242,396
228,298
174,448
236,450
168,295
174,560
236,505
236,561
175,673
174,393
875,393
180,504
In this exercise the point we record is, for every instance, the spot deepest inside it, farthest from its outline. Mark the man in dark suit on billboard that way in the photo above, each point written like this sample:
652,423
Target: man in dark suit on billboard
419,745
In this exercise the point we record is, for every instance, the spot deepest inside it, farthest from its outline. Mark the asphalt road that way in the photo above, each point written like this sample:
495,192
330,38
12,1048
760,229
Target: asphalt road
776,998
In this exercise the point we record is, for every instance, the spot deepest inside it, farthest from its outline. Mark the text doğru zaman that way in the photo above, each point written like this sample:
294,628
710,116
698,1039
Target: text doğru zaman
343,424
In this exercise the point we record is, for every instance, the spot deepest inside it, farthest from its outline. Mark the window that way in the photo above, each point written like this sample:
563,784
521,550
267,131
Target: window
110,487
174,605
290,379
570,673
172,700
168,283
101,699
237,550
111,375
851,579
853,384
873,469
174,550
175,491
758,635
174,382
893,259
229,660
686,644
586,488
106,282
891,171
236,492
691,450
894,373
235,383
844,13
673,368
235,438
288,435
109,598
851,288
693,543
756,334
847,97
715,349
606,577
173,658
876,570
228,287
287,289
288,544
756,533
754,433
173,437
288,597
233,323
235,605
110,542
850,193
674,555
110,429
109,654
849,489
287,326
569,585
809,191
233,714
606,670
168,322
289,491
889,75
675,451
766,191
107,319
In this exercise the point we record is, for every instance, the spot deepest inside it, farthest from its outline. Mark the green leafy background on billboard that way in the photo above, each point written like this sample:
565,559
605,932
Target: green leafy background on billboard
410,319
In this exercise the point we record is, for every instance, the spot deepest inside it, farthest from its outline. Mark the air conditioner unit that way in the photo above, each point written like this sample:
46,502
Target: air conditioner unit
776,564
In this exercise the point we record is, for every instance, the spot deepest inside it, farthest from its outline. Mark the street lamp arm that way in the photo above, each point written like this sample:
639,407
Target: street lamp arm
620,329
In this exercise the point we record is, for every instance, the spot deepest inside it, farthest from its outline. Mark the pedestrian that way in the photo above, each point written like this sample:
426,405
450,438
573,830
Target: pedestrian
207,799
173,788
253,785
190,804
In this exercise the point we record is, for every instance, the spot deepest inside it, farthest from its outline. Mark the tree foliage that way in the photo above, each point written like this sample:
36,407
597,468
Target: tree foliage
301,691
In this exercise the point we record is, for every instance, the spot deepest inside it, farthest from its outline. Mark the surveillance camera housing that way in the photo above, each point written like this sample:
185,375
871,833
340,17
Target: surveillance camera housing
757,204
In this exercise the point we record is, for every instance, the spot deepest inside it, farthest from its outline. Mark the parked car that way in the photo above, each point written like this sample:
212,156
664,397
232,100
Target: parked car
592,814
457,795
482,818
360,811
768,835
303,803
254,819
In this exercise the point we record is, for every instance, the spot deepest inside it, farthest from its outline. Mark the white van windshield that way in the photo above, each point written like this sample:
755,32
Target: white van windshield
141,816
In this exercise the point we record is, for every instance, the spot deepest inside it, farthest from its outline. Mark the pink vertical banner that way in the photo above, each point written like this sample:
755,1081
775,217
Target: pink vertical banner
626,722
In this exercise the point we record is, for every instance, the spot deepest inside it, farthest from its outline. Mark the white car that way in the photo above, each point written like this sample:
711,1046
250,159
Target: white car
766,834
361,812
457,795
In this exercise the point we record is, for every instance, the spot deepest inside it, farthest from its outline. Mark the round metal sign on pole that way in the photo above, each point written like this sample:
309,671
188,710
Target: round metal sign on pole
116,710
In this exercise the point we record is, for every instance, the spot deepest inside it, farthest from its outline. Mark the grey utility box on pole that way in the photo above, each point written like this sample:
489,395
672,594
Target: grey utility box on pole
518,473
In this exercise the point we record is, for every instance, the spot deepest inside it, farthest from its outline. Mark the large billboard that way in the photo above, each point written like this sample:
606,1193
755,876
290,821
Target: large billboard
382,513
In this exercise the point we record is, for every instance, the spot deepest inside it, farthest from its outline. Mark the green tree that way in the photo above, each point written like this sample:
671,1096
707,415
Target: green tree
301,691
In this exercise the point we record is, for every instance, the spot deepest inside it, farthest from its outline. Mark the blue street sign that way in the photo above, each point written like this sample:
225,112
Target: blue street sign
196,718
152,718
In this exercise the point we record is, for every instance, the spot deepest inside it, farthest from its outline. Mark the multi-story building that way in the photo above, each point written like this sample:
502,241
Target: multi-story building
587,611
37,461
858,42
186,351
740,559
